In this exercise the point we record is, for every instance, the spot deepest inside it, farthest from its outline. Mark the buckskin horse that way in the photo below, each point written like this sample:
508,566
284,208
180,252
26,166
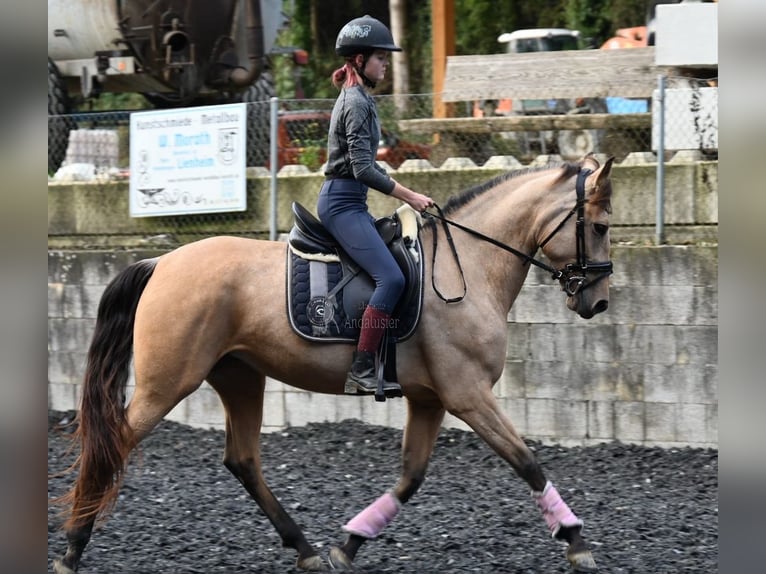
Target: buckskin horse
214,310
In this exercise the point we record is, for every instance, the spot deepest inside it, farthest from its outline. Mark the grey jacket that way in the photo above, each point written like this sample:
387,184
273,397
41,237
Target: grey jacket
352,143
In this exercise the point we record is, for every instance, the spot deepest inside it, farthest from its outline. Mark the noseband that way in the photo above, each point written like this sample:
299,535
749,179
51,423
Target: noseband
572,276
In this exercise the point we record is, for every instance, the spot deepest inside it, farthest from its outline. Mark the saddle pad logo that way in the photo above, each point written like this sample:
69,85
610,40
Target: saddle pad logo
320,311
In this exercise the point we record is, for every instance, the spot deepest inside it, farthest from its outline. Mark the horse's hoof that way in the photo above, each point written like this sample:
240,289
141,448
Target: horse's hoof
60,568
312,564
339,560
582,562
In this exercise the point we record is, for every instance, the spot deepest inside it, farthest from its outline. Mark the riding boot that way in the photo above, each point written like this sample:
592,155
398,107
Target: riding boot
362,378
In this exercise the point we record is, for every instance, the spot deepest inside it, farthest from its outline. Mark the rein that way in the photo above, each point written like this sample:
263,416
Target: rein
572,275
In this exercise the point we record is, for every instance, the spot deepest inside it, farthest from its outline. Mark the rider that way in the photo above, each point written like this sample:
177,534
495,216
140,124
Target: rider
352,145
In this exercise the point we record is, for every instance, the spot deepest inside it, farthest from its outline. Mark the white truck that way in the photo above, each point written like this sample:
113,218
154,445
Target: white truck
174,52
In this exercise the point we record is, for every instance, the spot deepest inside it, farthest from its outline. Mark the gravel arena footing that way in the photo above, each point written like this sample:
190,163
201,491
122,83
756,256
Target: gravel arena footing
647,510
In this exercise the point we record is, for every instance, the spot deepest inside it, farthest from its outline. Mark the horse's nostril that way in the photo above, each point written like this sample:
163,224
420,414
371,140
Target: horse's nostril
601,306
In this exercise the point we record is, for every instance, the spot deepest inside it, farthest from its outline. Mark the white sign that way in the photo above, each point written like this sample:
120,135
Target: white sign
188,160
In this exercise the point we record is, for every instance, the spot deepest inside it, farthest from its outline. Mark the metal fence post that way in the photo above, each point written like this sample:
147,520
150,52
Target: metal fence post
660,199
273,119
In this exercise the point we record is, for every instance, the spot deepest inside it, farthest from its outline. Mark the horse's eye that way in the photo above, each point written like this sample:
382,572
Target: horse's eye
600,228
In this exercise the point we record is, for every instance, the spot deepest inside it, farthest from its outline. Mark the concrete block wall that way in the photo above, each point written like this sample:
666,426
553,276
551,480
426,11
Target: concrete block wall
646,371
643,372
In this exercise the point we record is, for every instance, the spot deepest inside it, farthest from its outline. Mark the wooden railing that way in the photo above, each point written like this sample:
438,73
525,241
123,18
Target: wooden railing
494,124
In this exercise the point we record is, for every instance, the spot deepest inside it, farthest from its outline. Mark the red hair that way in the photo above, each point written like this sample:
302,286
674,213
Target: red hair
345,76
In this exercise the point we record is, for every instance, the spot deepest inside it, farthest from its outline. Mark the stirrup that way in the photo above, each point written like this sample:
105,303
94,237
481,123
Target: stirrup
391,390
383,389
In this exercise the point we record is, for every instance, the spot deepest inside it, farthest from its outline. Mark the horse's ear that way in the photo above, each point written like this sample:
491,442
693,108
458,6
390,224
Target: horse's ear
601,191
589,162
604,172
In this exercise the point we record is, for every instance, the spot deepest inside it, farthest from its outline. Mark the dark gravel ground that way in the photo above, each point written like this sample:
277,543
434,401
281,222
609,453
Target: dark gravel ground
646,510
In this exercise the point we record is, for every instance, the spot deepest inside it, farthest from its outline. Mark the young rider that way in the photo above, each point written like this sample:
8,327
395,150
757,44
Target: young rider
353,138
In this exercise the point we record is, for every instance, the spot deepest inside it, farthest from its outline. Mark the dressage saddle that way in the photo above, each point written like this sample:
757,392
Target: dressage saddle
310,241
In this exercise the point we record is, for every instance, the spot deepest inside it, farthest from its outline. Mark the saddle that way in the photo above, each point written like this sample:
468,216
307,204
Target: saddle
327,292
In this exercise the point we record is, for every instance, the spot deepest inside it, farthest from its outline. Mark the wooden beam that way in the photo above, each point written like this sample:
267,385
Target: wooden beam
443,46
629,73
495,124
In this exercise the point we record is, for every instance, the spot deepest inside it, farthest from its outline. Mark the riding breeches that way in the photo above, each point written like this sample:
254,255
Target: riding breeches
342,209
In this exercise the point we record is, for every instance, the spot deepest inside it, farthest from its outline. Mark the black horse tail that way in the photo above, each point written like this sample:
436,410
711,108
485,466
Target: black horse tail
103,434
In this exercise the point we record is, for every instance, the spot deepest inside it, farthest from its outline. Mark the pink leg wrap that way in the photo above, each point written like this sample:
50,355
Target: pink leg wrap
555,511
373,519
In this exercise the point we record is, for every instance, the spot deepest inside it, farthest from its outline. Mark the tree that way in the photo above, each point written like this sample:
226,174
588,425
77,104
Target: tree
591,18
399,63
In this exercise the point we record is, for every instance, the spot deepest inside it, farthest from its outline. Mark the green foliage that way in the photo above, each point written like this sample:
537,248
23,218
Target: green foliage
417,46
118,101
591,19
311,156
478,23
627,13
598,20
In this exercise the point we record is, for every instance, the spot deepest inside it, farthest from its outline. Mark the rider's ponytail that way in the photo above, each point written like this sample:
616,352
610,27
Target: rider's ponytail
345,76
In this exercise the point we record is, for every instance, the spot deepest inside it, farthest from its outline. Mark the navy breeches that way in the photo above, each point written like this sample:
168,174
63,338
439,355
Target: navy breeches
342,208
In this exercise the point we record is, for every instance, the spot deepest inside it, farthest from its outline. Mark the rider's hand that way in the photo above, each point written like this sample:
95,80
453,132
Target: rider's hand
420,202
417,201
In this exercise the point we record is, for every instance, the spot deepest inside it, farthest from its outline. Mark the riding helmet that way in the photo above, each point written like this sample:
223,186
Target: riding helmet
362,35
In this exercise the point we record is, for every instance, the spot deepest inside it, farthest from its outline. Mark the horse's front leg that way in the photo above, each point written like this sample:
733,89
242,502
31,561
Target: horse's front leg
420,432
484,416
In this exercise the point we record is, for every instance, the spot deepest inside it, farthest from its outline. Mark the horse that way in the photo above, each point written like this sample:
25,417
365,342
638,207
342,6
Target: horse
214,310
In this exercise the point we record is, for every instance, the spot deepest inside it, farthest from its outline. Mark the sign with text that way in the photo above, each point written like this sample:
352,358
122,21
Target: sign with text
188,160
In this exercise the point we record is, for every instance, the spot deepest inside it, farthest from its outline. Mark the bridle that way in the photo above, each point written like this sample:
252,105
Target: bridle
572,276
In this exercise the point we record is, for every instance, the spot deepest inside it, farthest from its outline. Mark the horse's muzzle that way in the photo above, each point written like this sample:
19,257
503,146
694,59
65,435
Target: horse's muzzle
600,306
579,304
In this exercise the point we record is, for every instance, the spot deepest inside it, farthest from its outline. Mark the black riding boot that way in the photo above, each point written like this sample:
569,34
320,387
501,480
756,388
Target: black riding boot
362,379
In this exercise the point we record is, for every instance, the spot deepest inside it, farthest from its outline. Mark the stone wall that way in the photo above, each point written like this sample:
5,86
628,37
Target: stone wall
643,372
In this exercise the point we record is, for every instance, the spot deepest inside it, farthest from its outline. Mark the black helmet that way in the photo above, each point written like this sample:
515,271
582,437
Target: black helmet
362,35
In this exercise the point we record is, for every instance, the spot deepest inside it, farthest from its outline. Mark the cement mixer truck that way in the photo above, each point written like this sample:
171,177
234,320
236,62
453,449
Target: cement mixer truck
174,52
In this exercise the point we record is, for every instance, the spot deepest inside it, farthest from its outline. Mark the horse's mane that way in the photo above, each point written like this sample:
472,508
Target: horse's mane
466,196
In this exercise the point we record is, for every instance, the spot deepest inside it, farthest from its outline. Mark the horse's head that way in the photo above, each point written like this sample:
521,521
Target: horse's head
576,240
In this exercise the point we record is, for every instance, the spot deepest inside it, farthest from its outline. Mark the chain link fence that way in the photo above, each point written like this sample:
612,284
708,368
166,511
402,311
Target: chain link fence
690,116
90,146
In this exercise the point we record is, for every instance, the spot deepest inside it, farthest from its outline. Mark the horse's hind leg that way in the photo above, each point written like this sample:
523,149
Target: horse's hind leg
145,411
77,540
485,417
241,390
420,432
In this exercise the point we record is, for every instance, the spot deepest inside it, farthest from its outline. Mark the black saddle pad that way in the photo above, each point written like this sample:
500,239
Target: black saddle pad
327,294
